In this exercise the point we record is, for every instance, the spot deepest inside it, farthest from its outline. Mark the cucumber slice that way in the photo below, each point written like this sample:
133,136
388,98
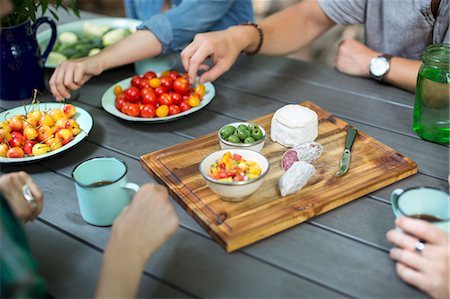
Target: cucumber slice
55,58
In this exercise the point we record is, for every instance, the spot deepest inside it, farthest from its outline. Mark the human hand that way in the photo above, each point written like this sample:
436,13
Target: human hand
223,47
353,58
428,270
146,224
72,74
11,187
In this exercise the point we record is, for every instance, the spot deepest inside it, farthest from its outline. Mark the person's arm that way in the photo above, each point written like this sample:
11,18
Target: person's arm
137,233
284,32
353,58
72,74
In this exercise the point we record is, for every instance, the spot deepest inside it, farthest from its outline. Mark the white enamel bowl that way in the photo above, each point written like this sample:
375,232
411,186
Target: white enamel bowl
234,191
256,146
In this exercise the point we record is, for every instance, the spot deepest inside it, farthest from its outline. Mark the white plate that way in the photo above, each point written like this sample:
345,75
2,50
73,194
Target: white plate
109,104
82,117
44,37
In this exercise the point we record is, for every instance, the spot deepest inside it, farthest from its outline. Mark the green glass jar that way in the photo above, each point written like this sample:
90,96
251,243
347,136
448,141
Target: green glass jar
431,107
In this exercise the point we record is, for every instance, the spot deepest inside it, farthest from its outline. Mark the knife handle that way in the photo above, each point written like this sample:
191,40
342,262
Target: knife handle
351,135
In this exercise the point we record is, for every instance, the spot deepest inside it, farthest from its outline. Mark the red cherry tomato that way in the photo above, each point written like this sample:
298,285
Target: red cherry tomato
176,97
181,85
133,109
124,108
147,90
149,75
167,82
174,75
174,109
144,83
135,81
132,94
186,97
120,100
165,99
148,111
160,90
149,99
185,106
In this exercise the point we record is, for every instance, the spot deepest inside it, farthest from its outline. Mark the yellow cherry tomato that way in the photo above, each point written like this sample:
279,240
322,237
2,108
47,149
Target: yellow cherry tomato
162,111
155,83
194,101
165,74
200,89
117,90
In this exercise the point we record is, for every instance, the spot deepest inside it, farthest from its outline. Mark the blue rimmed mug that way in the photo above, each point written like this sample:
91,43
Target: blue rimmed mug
103,189
430,203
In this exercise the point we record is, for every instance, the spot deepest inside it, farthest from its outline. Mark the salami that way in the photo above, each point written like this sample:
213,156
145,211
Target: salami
289,158
296,177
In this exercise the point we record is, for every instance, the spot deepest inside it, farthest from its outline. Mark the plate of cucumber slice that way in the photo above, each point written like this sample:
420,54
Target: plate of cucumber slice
85,37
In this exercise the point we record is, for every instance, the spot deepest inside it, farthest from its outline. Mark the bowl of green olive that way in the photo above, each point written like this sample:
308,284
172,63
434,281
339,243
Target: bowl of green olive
242,135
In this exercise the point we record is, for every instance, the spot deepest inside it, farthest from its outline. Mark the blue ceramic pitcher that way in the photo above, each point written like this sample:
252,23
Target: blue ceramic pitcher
22,66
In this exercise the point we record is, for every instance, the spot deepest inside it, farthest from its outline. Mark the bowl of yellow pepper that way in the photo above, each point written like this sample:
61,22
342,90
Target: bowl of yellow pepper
234,174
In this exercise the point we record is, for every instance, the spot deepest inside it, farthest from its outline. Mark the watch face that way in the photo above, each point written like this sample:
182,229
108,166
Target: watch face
379,66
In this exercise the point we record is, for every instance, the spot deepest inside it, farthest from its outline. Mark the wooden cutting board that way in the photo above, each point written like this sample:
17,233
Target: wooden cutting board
235,225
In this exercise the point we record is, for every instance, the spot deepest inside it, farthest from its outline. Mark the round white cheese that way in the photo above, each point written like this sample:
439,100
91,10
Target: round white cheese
293,125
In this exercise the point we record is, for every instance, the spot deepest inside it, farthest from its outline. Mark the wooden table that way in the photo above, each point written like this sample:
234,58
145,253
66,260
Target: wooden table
343,253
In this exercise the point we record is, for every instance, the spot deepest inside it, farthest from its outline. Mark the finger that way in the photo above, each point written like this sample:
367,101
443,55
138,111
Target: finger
408,258
59,82
78,76
53,88
402,240
199,57
214,72
203,67
187,53
37,195
69,77
411,276
421,229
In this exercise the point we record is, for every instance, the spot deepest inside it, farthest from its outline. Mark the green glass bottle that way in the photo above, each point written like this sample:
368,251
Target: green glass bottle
431,107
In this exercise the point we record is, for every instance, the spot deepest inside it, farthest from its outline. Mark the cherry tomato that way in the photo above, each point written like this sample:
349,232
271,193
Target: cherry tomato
181,86
186,97
185,76
174,109
185,106
147,90
117,90
149,98
155,82
162,111
176,97
194,101
135,81
165,73
124,108
133,94
200,90
144,84
148,111
160,90
167,82
149,75
165,99
133,109
174,75
120,100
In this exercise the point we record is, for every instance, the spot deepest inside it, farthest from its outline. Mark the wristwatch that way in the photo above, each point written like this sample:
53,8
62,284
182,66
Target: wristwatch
379,66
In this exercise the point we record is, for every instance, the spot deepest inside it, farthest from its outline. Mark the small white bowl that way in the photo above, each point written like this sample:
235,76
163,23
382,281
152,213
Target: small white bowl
256,146
234,191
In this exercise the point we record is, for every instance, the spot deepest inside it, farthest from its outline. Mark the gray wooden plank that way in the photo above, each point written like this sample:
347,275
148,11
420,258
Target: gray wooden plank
324,76
80,265
239,275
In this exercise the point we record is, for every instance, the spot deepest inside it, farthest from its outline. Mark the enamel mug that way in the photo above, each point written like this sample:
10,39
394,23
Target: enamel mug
431,203
102,189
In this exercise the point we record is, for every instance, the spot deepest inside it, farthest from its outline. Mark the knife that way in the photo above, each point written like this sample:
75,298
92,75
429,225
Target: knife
345,160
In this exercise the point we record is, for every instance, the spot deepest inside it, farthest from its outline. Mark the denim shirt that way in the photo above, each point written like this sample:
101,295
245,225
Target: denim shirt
176,27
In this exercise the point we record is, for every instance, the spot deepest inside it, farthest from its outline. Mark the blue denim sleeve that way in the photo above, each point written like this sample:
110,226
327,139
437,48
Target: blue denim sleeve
177,27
